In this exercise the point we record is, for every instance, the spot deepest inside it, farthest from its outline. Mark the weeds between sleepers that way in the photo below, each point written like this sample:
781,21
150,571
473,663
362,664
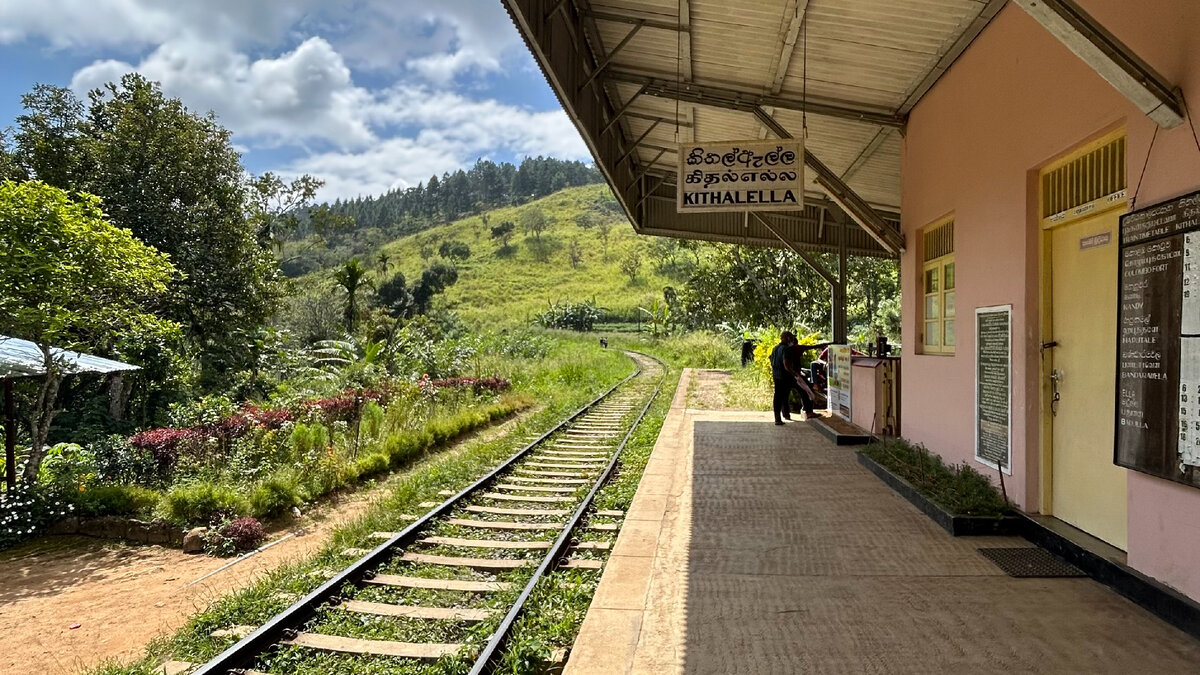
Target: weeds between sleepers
555,611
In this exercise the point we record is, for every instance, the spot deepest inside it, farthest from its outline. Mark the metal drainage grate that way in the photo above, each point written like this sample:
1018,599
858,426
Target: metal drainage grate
1027,562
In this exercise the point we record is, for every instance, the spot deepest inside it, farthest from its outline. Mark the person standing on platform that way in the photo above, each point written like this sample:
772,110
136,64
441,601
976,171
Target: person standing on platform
793,361
747,348
784,379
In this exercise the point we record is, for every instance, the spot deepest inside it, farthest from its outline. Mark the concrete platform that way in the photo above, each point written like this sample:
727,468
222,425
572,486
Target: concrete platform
752,548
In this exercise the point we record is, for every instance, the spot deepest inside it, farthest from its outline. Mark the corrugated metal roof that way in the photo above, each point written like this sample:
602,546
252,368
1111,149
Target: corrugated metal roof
866,62
22,358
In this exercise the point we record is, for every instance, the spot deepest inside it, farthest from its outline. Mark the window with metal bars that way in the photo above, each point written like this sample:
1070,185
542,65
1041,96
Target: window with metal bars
1075,187
937,289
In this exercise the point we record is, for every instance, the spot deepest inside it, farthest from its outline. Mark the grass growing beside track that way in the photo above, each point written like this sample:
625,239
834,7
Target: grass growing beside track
575,373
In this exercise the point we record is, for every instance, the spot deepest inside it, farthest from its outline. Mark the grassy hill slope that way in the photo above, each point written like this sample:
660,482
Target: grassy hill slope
504,287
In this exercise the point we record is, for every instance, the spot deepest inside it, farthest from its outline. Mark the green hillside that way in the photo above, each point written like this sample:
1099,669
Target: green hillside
498,286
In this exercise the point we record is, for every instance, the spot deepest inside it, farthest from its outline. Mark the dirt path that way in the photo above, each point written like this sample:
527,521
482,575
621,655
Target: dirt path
124,596
707,389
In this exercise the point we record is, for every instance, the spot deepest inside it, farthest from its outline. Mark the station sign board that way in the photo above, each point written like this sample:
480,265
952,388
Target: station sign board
1158,342
752,175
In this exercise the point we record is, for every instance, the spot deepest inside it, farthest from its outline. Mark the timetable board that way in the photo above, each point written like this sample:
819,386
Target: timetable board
1158,342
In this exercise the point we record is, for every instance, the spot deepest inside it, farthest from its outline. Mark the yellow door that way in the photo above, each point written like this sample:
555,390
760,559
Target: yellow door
1088,490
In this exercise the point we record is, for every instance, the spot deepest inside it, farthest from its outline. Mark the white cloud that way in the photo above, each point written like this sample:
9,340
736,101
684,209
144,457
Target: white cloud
281,73
437,39
302,95
454,131
139,23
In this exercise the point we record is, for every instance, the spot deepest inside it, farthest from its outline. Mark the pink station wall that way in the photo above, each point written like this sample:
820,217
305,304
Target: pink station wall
1016,100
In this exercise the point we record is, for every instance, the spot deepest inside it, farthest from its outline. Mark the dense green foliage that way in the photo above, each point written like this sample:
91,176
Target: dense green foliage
959,489
71,280
405,211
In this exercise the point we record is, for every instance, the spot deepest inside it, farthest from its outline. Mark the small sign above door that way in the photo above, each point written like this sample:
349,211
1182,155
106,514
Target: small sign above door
1095,241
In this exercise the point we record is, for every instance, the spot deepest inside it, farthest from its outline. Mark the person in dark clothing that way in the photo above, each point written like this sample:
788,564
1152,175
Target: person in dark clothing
794,362
747,349
783,378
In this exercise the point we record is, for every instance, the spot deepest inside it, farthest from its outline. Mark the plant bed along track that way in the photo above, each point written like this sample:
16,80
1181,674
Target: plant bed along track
443,594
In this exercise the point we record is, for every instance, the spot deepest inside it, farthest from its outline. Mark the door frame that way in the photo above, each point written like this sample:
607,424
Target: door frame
1044,228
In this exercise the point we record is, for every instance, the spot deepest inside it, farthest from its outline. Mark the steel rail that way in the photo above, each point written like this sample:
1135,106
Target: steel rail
241,655
483,661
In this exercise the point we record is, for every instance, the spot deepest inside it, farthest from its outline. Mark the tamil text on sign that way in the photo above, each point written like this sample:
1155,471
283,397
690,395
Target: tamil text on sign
741,176
1158,341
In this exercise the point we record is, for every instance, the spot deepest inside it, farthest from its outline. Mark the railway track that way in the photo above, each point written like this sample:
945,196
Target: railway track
449,588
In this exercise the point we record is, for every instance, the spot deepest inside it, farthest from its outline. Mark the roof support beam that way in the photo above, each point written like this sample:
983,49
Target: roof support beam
854,206
738,100
950,54
648,165
685,39
612,54
623,18
866,154
634,146
787,45
804,255
1109,57
623,110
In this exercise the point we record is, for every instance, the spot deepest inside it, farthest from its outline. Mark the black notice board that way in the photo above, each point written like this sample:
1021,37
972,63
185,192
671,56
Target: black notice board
993,386
1158,342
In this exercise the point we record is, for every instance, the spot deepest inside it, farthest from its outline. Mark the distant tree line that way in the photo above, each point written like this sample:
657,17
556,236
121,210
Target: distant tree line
399,212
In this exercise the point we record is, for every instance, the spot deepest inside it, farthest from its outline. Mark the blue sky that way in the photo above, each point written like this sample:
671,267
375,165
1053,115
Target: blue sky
367,95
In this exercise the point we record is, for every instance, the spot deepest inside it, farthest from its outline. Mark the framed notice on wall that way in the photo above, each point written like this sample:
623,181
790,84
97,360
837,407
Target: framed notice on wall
741,176
838,390
993,387
1158,342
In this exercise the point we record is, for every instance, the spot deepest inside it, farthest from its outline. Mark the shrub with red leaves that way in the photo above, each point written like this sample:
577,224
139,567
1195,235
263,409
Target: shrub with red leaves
268,419
246,533
164,443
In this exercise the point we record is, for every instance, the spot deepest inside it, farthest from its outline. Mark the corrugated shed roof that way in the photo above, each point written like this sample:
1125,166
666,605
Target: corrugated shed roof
22,358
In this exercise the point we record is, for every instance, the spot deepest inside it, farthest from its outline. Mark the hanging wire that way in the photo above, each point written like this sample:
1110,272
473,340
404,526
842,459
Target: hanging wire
1133,202
804,77
1191,121
678,65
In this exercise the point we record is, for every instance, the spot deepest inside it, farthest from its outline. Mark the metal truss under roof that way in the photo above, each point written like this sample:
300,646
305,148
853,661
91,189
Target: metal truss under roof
639,76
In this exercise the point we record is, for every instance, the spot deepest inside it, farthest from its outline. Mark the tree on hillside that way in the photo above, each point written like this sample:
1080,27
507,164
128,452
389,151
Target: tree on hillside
663,250
434,280
426,246
574,253
586,220
453,249
604,226
631,266
383,261
277,209
395,297
534,221
71,280
352,278
503,232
